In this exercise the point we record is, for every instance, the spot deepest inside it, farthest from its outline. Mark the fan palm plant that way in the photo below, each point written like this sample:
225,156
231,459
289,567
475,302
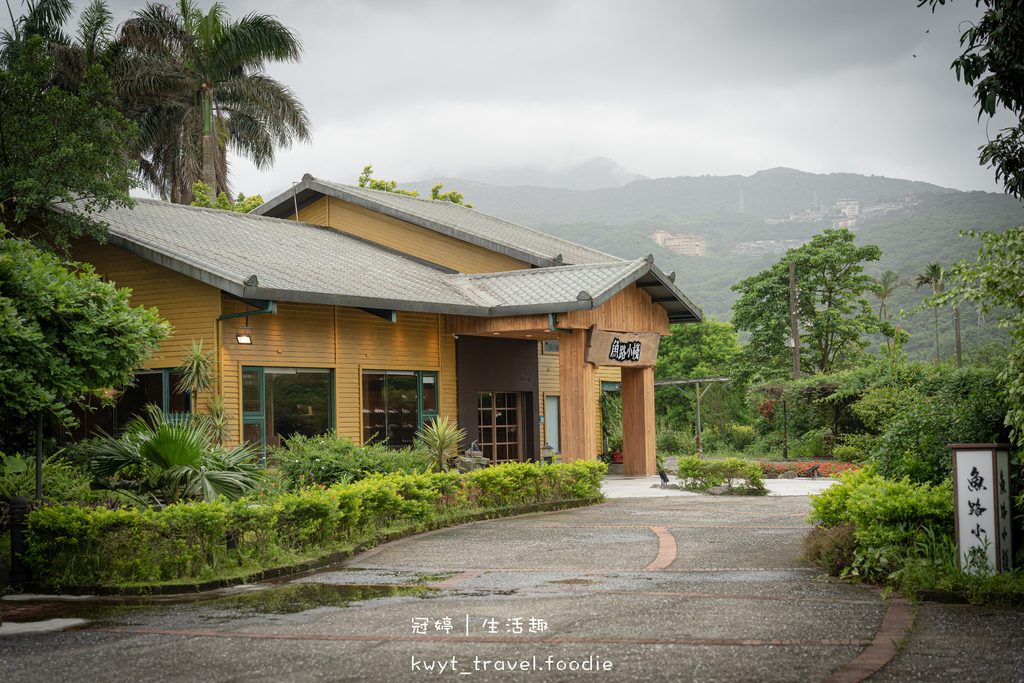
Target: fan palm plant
169,461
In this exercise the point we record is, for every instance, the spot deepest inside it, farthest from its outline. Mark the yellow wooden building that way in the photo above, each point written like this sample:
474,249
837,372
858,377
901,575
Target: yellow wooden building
341,308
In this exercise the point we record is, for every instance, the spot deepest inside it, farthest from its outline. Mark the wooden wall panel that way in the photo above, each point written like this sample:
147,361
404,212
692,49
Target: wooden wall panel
315,213
407,238
631,310
638,422
578,384
189,305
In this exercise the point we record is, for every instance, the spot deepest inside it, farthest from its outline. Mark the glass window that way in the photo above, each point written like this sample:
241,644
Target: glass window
550,346
280,402
396,403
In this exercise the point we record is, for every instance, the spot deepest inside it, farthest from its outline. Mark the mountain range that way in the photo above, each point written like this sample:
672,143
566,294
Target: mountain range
727,210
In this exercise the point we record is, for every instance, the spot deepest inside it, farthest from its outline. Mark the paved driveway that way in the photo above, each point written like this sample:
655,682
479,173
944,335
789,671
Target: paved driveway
667,588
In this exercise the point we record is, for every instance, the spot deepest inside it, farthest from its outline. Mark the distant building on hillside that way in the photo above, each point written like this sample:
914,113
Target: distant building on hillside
848,207
687,245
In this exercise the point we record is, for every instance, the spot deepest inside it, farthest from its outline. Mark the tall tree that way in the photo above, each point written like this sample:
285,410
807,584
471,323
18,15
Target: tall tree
832,313
933,275
884,286
59,146
993,51
704,349
65,332
225,101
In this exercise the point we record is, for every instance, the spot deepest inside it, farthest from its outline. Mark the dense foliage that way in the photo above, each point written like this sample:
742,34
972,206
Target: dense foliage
832,313
59,146
65,333
74,545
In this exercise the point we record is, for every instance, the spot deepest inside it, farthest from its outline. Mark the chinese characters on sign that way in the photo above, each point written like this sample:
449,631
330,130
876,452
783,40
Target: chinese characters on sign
621,350
490,625
983,507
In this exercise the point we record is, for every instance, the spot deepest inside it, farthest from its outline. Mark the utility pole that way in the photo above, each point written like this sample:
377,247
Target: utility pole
794,325
956,322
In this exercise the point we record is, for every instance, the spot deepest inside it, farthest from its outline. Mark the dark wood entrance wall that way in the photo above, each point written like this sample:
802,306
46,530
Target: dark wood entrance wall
630,311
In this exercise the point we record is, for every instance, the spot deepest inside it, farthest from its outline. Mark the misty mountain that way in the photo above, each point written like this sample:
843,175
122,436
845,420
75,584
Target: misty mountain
773,193
595,174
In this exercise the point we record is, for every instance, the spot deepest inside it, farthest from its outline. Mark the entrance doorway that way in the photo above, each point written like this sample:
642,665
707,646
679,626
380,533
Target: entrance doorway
498,417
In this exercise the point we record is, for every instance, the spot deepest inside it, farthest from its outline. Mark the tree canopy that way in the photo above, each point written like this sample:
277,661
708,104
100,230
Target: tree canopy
832,313
367,180
59,146
993,50
64,333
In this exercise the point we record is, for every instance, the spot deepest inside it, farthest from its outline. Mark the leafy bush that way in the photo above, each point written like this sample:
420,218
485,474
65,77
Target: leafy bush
699,474
169,461
331,459
886,512
831,548
440,439
76,545
675,442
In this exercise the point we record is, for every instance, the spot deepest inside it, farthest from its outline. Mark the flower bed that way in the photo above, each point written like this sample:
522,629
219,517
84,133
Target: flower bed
826,468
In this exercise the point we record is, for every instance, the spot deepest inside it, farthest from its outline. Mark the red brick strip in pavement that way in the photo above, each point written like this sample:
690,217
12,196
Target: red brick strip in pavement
666,550
482,639
896,625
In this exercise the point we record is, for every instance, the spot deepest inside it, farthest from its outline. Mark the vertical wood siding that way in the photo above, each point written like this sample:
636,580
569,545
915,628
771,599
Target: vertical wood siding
190,306
631,310
406,237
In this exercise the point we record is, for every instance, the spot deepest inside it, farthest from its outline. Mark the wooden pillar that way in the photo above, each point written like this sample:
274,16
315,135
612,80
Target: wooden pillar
578,380
638,422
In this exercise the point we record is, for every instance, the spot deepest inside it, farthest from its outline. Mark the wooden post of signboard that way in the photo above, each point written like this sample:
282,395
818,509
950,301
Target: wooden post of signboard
638,422
578,386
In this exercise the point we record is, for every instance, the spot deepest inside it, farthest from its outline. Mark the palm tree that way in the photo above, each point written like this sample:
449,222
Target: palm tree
932,275
885,285
224,100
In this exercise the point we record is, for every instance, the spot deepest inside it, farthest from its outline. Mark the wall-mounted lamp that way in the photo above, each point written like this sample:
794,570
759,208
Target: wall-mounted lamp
244,334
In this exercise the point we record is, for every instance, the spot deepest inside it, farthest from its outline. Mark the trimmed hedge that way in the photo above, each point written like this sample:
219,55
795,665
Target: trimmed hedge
72,545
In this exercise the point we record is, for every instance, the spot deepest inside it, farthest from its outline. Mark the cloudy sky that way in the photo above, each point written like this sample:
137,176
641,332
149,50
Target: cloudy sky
426,88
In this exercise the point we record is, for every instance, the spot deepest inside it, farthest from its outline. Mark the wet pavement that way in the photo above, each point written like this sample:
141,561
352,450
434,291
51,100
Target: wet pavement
673,587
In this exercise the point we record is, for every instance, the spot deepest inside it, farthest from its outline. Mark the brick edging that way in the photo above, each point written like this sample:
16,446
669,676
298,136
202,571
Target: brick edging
895,629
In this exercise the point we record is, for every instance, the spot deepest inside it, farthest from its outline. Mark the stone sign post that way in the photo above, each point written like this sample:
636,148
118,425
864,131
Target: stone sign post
983,506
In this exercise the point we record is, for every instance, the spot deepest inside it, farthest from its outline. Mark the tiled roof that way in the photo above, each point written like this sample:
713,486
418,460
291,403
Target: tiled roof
468,225
308,263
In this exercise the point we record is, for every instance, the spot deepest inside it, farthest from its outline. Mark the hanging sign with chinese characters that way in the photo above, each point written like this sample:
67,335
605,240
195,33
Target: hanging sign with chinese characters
984,513
629,349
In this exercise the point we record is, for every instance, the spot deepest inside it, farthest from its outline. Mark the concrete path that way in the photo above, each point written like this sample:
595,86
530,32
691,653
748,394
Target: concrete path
669,588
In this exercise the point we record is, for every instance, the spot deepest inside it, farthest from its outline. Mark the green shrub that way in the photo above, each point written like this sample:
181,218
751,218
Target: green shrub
331,459
829,508
76,545
831,548
675,442
699,474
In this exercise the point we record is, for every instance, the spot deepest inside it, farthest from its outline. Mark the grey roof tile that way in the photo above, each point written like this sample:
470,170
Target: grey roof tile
309,263
460,222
